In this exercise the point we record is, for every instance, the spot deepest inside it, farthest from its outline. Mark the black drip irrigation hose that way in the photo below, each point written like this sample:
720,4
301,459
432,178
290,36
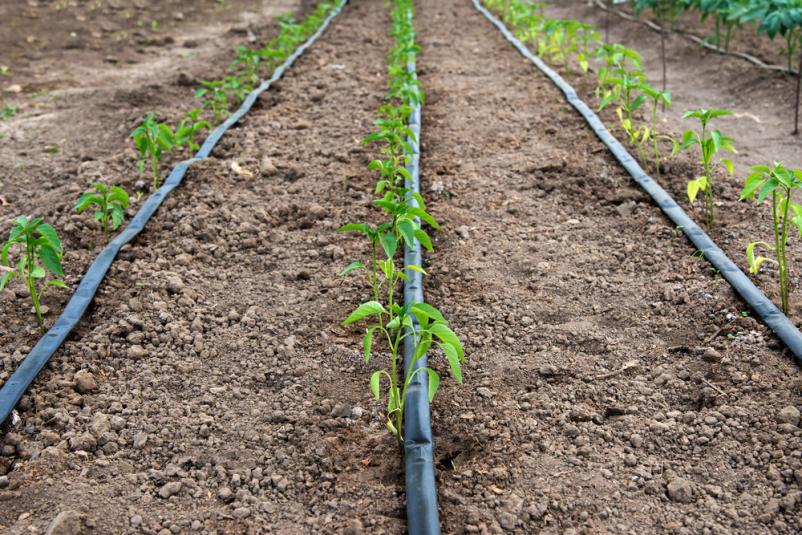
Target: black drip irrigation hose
422,514
29,368
762,305
658,28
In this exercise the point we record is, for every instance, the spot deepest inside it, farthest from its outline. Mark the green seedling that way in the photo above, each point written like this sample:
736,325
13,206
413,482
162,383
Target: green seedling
648,133
710,143
215,98
393,325
7,111
624,87
153,140
247,64
41,252
189,128
781,183
110,204
220,95
619,75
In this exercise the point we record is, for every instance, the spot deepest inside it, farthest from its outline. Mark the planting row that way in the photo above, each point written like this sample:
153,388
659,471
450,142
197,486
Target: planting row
403,213
622,85
773,18
33,252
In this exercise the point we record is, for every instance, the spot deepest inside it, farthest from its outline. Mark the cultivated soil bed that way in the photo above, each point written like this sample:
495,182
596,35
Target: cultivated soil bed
612,384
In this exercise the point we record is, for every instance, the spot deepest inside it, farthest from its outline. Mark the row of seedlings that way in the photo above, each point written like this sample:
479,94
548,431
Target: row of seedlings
390,321
773,18
621,84
33,252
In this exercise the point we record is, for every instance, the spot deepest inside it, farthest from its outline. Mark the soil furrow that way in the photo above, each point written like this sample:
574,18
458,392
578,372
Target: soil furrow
597,400
211,389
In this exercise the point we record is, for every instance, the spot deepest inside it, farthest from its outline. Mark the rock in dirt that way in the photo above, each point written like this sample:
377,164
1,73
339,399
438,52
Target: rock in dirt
85,382
169,489
354,527
267,167
680,490
185,80
341,410
242,512
789,415
711,355
65,523
136,352
83,442
175,284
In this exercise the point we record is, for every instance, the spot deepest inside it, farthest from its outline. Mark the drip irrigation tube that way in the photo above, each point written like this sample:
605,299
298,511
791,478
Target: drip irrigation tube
742,55
29,368
422,514
762,305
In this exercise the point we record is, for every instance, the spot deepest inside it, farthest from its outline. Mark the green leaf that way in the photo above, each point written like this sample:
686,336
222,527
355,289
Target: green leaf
119,195
728,166
371,308
7,277
117,216
50,233
750,186
38,272
424,239
427,310
695,186
85,201
353,266
447,335
453,361
50,259
425,217
434,383
375,384
417,269
354,227
4,253
367,343
58,283
407,230
389,243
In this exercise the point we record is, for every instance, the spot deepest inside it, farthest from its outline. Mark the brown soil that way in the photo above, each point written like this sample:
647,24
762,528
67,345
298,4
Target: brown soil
226,397
612,384
598,399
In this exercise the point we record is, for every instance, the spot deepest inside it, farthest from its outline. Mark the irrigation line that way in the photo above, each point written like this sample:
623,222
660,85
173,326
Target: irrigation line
422,514
696,39
29,368
762,305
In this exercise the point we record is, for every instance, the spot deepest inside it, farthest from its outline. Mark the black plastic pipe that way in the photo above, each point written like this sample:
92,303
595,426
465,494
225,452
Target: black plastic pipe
422,514
29,368
762,305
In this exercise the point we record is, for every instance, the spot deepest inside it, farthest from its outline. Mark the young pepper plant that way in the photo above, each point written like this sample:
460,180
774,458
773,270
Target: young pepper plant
41,253
710,142
650,132
153,140
394,325
781,183
110,204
